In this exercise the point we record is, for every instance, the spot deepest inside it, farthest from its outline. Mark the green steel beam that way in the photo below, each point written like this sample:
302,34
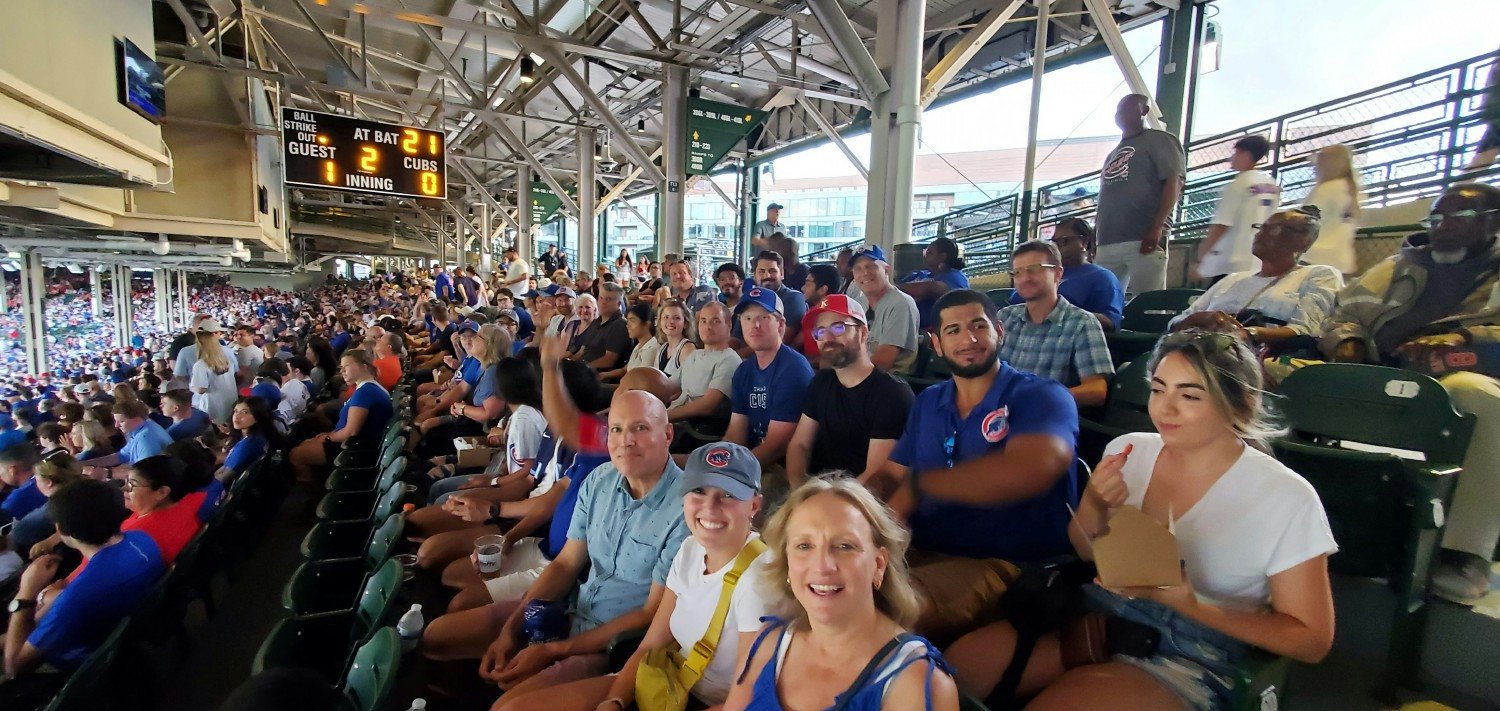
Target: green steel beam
1178,68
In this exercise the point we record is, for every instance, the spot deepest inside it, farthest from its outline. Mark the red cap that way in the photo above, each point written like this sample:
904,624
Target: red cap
835,303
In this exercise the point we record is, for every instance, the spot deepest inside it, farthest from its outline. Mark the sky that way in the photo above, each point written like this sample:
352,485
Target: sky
1278,56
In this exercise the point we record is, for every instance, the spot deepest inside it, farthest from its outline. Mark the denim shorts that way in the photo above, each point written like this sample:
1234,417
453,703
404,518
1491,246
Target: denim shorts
1197,663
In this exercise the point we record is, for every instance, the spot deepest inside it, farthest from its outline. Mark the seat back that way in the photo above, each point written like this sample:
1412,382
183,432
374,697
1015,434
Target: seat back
1129,397
1151,311
391,474
384,540
1375,405
373,672
389,502
87,688
1000,297
377,600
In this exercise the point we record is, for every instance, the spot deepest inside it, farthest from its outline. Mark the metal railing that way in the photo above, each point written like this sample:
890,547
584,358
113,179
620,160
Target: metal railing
985,232
1408,137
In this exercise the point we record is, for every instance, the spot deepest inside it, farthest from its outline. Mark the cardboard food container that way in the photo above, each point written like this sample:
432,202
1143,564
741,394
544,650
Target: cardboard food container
1137,551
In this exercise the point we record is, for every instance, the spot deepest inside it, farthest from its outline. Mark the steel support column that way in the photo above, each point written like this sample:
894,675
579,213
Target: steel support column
34,311
1177,72
163,298
895,118
182,298
120,290
749,208
486,249
96,292
587,221
674,163
1038,72
523,216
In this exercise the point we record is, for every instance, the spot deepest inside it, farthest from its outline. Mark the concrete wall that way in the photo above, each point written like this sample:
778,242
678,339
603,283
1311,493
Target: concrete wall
213,168
66,48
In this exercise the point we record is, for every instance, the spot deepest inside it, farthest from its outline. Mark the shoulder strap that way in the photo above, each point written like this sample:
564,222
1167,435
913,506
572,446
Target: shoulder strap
776,623
870,669
703,650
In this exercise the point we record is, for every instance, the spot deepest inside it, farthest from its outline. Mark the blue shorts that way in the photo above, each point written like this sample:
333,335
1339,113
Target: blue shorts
1197,663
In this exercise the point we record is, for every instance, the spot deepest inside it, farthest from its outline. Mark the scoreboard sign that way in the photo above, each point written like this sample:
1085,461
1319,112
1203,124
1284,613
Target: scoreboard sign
336,152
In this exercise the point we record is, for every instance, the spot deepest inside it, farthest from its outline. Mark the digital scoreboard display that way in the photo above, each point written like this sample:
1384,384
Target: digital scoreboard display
336,152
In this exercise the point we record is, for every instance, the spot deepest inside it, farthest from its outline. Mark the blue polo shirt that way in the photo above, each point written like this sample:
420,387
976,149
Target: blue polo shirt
631,542
377,403
1092,288
193,425
113,583
770,394
148,440
1017,403
954,278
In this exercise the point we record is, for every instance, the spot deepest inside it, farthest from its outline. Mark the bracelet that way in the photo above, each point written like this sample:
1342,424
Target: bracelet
615,700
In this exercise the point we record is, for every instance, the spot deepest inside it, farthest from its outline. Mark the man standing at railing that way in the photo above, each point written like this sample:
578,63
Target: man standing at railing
1138,189
761,235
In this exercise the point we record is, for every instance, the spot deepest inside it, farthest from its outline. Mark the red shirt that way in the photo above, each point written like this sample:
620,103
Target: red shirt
388,371
171,527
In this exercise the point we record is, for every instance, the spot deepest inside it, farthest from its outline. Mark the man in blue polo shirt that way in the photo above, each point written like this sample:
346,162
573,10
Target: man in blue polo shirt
122,568
143,437
987,458
442,284
1086,285
765,399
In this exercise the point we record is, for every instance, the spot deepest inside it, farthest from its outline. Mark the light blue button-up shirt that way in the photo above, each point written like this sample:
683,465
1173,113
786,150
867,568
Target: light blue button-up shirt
631,542
148,440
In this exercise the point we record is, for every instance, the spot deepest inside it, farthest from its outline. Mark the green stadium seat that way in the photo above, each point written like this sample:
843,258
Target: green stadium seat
1124,412
365,479
89,688
373,672
346,505
323,642
321,586
1386,511
1000,297
1145,319
342,539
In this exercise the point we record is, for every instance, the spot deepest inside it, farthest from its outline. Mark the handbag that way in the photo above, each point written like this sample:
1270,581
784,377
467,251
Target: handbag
664,677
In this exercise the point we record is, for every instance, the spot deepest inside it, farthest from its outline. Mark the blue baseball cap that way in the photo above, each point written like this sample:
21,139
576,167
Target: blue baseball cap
762,297
468,326
724,465
873,251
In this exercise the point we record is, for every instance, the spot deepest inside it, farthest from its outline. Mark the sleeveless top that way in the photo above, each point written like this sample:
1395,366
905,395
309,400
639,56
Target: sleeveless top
868,697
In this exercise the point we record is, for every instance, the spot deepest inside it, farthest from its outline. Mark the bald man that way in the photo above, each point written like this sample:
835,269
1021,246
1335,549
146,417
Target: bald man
626,528
1138,191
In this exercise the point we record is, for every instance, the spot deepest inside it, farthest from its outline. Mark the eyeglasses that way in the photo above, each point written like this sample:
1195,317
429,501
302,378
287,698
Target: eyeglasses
131,485
1437,218
1032,270
837,328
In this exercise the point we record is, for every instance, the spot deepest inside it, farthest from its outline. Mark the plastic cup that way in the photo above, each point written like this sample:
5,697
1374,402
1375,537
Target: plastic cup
487,552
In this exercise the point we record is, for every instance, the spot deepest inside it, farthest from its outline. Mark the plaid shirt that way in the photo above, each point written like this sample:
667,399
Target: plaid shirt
1067,346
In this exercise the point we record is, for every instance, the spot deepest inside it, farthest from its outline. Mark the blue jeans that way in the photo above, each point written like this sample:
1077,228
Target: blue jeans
1197,663
444,488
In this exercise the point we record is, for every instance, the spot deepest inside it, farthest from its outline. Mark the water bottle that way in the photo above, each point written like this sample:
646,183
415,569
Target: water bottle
418,705
410,628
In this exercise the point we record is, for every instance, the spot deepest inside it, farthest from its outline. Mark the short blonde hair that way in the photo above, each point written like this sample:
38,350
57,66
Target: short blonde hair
895,597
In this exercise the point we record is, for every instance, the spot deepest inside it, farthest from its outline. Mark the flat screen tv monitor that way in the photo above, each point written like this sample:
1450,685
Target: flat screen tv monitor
142,85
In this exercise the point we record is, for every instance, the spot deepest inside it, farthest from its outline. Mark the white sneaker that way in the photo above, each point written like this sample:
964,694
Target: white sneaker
1463,583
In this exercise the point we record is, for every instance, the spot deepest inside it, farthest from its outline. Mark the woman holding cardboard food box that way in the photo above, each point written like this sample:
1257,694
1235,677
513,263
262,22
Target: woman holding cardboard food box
1251,536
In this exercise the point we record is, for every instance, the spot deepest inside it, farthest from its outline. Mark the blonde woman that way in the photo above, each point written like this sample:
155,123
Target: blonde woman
838,580
1254,541
1337,197
677,335
213,384
90,440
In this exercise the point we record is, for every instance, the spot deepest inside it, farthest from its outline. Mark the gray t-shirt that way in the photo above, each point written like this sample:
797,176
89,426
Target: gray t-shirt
893,321
1130,187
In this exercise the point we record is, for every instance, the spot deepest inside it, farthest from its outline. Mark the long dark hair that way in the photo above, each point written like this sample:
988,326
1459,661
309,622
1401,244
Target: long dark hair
324,353
264,422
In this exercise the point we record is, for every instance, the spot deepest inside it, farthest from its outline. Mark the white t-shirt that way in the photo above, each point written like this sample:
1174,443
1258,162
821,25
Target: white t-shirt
293,400
523,437
1259,519
644,354
1335,244
549,474
249,357
1248,200
698,599
218,402
706,369
517,272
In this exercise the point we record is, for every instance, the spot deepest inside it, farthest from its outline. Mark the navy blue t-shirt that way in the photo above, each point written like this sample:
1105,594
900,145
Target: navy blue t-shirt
194,425
1018,403
377,402
954,278
770,394
524,325
1092,288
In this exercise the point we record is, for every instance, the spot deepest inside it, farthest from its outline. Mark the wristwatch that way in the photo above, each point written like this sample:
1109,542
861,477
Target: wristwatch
20,604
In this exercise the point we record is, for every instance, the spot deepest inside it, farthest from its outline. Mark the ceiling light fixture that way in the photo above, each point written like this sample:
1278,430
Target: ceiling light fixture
528,70
640,126
734,85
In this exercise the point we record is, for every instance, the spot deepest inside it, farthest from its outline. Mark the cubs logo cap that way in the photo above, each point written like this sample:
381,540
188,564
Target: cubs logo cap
723,465
762,297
